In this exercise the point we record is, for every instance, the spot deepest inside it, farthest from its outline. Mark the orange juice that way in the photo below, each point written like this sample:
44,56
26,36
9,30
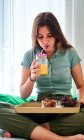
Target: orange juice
42,60
44,69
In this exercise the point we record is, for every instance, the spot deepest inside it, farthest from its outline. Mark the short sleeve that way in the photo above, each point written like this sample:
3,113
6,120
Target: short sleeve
27,59
74,57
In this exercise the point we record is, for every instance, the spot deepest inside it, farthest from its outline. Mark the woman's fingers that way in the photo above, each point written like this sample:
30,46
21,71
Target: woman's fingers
34,64
35,69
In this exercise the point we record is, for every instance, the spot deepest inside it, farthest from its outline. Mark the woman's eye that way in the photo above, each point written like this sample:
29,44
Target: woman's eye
40,36
50,35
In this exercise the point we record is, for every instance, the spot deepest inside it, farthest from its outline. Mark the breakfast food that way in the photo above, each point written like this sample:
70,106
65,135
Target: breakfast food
68,102
49,102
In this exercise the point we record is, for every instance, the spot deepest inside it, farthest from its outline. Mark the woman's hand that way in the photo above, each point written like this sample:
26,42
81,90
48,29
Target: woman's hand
35,70
82,100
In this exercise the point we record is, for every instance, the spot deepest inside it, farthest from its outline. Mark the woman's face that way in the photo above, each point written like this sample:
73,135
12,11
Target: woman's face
45,39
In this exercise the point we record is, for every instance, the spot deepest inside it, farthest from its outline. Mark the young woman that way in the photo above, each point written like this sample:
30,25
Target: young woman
63,65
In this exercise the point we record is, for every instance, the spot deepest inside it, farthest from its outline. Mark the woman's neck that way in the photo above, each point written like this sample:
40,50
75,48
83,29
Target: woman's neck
50,54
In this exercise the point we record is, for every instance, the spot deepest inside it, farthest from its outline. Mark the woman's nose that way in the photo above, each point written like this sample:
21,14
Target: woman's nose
45,40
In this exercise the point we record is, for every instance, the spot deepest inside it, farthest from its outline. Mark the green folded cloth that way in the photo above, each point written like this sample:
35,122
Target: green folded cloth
15,100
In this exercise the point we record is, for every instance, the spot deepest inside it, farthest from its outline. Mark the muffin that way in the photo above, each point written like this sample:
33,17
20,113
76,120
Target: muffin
49,102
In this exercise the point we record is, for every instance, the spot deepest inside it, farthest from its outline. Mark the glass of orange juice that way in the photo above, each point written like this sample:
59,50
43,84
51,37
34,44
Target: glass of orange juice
42,60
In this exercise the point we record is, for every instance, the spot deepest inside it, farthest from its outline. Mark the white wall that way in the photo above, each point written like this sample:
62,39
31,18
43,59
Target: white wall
79,31
1,40
75,25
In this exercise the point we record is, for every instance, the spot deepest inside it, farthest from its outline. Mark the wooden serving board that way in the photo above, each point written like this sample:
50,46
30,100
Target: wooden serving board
36,107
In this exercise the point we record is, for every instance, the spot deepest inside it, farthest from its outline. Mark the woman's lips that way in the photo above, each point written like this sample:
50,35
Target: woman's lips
46,46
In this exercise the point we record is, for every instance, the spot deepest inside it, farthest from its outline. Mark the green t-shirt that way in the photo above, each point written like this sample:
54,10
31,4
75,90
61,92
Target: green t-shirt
59,78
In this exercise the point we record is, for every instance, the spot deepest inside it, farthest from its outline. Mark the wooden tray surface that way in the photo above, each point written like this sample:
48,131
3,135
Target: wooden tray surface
36,107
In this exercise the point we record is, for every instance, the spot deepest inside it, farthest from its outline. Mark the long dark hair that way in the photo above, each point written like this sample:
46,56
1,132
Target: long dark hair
49,20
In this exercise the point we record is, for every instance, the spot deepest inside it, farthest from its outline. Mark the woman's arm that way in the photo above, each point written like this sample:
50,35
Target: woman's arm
26,84
28,79
79,81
